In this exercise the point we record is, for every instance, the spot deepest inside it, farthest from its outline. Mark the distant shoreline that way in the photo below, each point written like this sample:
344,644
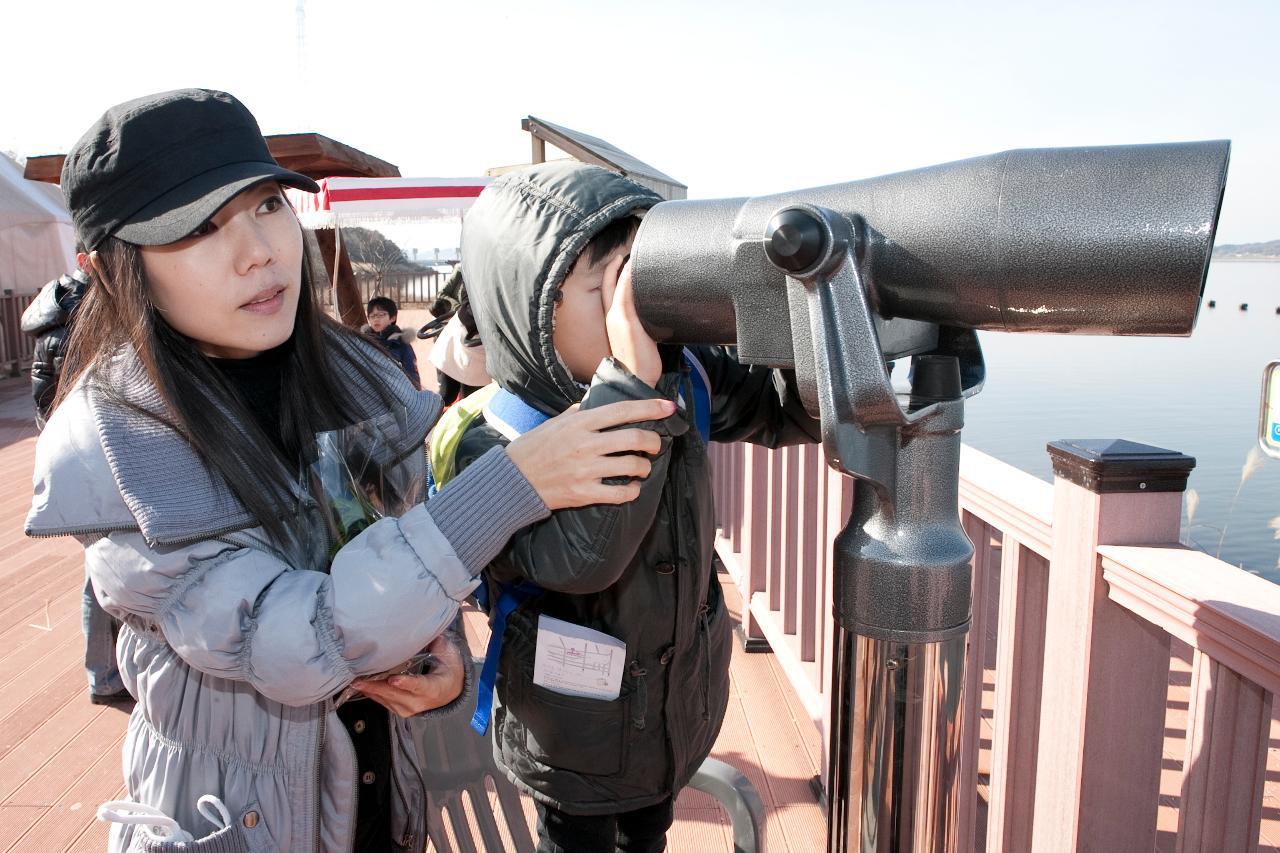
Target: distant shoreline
1259,259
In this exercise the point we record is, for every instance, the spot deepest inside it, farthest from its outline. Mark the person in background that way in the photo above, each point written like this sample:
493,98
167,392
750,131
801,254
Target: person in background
49,317
457,351
383,312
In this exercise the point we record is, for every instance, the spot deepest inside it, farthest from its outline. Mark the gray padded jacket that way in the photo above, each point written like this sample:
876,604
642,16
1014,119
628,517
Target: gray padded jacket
234,649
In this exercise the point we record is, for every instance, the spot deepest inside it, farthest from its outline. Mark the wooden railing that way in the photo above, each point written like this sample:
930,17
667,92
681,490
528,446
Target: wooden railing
408,289
1080,601
15,347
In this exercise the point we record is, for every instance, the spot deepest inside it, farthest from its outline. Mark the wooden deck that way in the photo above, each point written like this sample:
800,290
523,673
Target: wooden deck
60,755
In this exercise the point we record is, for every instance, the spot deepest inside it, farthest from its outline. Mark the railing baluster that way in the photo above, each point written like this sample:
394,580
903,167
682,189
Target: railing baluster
979,534
736,500
811,493
1228,732
833,522
773,558
789,575
754,521
1024,579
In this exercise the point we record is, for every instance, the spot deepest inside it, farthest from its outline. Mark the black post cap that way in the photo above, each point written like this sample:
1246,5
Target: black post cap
1115,465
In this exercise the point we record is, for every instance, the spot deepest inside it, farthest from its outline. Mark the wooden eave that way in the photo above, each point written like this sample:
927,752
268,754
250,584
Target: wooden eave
311,154
542,132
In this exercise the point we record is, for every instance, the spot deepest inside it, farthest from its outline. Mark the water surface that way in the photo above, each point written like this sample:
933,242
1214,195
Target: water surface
1198,395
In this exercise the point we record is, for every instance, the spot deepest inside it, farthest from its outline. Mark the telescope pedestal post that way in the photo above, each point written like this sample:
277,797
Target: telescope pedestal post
895,747
902,579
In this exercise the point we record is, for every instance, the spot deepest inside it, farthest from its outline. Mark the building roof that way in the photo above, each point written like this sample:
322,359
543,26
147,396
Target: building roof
592,149
311,154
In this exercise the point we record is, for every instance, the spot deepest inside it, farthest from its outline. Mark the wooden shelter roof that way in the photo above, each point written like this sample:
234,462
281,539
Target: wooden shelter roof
311,154
592,149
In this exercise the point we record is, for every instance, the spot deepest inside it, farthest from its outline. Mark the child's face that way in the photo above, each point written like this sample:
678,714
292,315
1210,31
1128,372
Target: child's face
232,286
379,319
580,336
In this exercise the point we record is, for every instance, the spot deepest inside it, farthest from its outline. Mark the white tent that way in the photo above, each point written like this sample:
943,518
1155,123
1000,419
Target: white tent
37,240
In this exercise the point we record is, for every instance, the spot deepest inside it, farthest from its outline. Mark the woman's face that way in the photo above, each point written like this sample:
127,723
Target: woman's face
232,286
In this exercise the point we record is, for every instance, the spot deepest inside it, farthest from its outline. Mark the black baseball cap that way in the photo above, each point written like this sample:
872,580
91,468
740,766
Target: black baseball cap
151,170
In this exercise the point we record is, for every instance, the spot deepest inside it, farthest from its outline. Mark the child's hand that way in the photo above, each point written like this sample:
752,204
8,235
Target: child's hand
407,695
628,340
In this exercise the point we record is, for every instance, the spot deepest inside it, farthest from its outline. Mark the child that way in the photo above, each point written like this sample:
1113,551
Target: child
544,250
199,371
382,312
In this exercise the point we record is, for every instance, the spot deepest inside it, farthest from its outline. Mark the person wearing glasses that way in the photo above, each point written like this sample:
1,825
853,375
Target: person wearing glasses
382,313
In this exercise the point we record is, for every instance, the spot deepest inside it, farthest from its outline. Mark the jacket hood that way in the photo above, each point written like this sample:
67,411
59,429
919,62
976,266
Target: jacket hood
519,242
52,307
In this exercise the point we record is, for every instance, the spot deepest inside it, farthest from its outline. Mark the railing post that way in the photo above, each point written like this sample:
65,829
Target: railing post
1106,671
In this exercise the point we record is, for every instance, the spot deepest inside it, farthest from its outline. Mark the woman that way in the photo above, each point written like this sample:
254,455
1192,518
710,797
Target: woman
197,378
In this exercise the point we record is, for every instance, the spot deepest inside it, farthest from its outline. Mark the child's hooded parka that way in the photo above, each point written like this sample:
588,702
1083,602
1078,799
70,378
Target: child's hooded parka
641,572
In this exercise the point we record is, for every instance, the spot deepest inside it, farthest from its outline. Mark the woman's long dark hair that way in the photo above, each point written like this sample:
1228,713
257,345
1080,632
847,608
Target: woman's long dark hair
200,404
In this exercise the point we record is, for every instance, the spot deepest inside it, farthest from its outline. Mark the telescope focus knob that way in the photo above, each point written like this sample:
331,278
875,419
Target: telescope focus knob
795,240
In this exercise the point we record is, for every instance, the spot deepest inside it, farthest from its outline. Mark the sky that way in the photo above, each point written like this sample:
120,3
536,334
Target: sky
732,99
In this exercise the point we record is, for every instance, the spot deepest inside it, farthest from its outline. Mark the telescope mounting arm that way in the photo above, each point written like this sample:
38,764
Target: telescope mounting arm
848,375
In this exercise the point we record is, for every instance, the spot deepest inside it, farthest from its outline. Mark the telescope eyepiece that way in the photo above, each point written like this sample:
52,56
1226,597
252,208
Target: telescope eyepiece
795,240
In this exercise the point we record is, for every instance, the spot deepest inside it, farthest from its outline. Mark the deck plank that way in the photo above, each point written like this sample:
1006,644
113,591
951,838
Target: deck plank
68,817
44,745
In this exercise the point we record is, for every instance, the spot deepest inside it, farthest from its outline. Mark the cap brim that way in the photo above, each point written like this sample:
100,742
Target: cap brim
184,208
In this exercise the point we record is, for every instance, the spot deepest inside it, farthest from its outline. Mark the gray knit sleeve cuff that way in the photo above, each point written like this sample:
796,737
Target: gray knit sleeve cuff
484,506
466,700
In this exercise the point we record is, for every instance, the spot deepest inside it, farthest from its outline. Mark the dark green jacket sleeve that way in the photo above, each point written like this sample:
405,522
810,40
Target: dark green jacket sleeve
753,403
586,549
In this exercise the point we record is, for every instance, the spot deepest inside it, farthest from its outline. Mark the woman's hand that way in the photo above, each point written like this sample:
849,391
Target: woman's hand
567,458
628,340
408,695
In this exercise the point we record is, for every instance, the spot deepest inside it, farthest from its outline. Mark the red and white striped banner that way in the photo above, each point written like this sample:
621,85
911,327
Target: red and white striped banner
351,200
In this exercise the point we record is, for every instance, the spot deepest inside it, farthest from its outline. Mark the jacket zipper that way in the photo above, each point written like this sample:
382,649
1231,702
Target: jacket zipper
81,531
641,708
420,817
407,839
315,823
324,723
704,621
673,496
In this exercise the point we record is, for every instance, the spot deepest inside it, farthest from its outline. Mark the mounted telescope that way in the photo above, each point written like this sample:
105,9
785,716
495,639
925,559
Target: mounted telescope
837,282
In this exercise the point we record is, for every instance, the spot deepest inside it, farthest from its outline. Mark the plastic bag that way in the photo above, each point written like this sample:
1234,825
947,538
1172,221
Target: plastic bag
357,478
356,475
